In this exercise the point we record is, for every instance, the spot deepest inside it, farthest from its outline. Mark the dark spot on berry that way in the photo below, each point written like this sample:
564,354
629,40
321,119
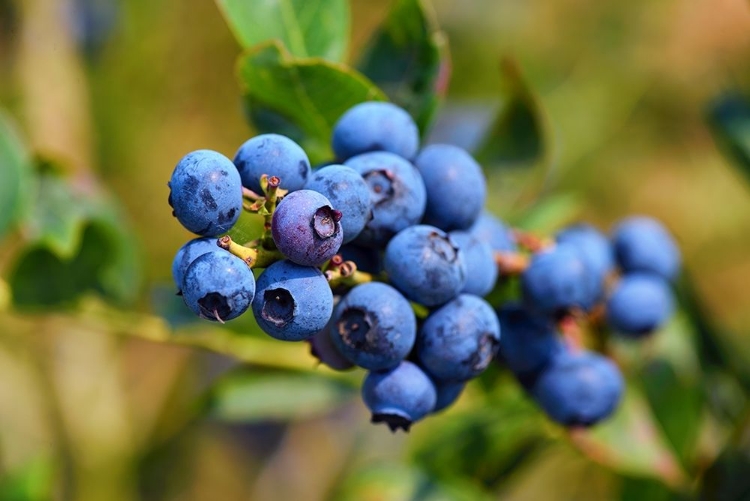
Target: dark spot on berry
208,199
303,168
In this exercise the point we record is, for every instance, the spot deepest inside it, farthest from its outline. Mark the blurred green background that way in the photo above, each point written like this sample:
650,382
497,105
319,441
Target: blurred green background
106,389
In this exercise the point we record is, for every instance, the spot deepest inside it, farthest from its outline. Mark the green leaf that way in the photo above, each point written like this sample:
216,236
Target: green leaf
729,119
308,28
409,59
33,482
727,478
15,174
245,397
311,94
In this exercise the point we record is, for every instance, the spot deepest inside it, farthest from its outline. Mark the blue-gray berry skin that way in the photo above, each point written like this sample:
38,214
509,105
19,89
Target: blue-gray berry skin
292,302
596,250
187,254
459,340
375,126
218,286
639,304
306,228
579,389
557,280
447,394
397,195
481,270
490,229
275,155
374,326
348,192
643,244
206,193
425,264
456,187
400,396
529,341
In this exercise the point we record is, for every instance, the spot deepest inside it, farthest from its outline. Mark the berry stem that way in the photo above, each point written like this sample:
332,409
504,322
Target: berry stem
250,194
272,193
511,263
346,274
530,241
254,257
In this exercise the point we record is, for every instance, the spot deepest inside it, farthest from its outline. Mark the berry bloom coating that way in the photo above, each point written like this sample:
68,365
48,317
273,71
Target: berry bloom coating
375,126
579,389
481,270
187,254
306,229
529,342
640,304
458,341
595,249
643,244
426,265
397,195
348,193
557,280
447,393
374,326
275,155
399,396
488,228
455,184
218,286
206,193
292,302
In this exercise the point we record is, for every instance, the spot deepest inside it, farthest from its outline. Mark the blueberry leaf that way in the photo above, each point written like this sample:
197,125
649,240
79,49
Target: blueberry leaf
409,59
15,174
311,93
308,28
729,119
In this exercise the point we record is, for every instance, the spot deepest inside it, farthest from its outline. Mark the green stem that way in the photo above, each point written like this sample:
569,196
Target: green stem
254,257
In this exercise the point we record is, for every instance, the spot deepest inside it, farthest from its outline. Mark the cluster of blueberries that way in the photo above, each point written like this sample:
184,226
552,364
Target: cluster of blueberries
382,261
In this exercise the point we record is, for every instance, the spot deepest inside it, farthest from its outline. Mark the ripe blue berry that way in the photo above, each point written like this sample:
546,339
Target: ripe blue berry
375,126
292,302
595,249
399,396
579,389
275,155
306,229
488,228
640,304
447,393
528,342
218,286
206,193
348,193
455,184
397,195
643,244
187,254
374,326
557,280
481,270
425,264
322,348
458,341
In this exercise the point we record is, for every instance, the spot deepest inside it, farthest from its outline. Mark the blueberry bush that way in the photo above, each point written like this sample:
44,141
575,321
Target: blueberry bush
396,272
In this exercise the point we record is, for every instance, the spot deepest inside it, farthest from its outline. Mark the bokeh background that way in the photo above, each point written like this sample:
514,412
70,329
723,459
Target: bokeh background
108,391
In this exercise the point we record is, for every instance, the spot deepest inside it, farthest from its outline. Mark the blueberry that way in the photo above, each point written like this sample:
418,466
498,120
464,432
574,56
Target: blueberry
458,341
595,249
218,286
375,126
481,270
643,244
400,396
426,265
488,228
187,254
579,389
455,184
557,280
447,393
639,304
374,326
275,155
306,229
348,193
322,348
292,302
206,193
397,195
528,342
